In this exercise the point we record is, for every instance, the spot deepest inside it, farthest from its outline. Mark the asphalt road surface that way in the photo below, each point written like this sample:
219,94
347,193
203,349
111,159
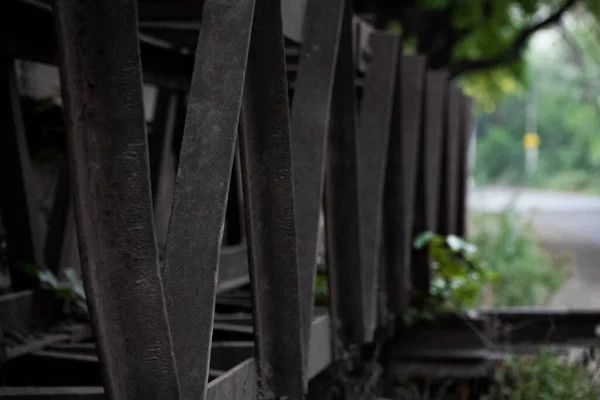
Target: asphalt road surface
565,223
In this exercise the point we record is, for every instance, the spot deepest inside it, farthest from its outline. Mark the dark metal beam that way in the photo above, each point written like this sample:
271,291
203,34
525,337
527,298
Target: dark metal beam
310,124
373,139
400,181
233,268
446,223
195,232
342,201
23,234
517,327
57,233
239,383
107,149
52,393
466,130
428,174
265,147
162,160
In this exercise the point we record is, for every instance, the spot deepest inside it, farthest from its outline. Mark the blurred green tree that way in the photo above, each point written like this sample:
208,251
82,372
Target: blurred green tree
564,70
481,42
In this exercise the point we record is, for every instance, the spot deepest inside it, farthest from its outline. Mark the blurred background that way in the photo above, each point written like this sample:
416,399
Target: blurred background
533,68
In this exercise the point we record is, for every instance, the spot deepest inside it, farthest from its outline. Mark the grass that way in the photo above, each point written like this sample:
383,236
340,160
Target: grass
528,275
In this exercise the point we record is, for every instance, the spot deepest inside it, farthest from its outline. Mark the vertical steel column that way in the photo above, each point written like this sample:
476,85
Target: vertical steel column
428,175
342,200
108,153
265,147
466,129
400,181
449,164
310,125
202,186
373,139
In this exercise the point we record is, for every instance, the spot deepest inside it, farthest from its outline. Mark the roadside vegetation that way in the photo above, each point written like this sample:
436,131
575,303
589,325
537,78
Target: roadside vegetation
527,274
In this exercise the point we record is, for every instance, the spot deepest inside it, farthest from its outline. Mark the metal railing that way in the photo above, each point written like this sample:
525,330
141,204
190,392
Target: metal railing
276,111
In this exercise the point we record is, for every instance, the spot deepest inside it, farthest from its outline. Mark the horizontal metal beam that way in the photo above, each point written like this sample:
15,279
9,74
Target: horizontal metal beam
553,327
52,393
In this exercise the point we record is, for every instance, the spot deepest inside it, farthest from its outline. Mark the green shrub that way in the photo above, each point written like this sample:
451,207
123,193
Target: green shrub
528,276
545,375
458,277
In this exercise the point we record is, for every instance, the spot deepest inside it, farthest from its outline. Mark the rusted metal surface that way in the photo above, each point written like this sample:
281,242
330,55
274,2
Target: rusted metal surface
265,147
400,181
107,149
465,132
342,201
449,164
373,138
428,174
205,164
310,120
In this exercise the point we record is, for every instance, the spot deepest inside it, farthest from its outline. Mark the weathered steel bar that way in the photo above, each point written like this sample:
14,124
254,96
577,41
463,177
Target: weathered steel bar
428,174
400,181
53,393
466,127
205,164
373,138
57,222
342,201
233,268
310,118
265,148
522,326
239,383
23,236
320,354
107,149
446,223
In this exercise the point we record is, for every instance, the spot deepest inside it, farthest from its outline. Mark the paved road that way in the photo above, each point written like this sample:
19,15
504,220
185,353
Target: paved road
564,223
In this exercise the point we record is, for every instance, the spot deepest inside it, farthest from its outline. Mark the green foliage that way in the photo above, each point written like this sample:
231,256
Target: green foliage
545,376
321,296
69,289
527,275
483,42
458,277
565,71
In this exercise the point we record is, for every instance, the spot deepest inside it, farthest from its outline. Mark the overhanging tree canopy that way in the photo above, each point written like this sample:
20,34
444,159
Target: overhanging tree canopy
482,42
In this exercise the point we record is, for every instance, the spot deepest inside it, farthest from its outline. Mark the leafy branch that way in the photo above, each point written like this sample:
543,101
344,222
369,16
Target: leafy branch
458,277
516,49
